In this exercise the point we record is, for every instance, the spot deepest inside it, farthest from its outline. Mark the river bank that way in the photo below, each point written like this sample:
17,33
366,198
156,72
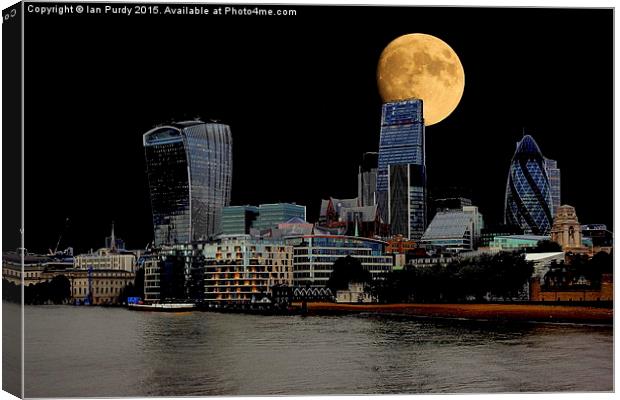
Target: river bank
498,312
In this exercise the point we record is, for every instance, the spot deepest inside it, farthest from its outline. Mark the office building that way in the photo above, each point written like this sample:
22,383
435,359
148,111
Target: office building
367,179
314,257
406,201
270,215
516,242
454,230
189,168
488,233
152,277
238,219
446,198
598,234
528,202
175,273
401,171
553,173
478,225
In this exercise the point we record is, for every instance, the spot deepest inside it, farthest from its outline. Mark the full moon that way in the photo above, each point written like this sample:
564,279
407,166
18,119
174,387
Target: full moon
423,67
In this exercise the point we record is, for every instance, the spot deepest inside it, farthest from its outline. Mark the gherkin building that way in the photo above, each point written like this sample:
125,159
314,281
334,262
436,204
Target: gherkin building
528,203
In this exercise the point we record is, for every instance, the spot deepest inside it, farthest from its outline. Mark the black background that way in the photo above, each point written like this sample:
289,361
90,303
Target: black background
300,95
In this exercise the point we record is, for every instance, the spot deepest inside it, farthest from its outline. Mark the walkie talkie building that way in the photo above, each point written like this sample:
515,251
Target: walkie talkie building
189,168
401,172
528,203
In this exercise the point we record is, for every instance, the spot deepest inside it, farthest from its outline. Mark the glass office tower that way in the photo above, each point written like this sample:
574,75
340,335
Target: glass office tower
553,173
528,202
270,215
367,179
238,219
402,144
189,168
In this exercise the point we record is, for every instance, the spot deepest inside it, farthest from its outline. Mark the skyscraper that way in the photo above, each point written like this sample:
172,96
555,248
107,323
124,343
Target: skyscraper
528,203
367,180
401,154
553,173
189,168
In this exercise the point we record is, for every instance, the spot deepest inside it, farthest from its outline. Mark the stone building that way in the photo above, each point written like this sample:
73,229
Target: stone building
566,230
604,292
95,286
107,259
87,285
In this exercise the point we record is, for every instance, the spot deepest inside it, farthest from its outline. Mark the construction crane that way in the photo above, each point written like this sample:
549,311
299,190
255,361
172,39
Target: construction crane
60,237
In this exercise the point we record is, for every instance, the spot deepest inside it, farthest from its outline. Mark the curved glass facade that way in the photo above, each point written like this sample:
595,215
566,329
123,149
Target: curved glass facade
189,168
528,203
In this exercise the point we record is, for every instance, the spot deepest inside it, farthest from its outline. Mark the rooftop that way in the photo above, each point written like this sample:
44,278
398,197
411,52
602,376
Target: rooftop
524,237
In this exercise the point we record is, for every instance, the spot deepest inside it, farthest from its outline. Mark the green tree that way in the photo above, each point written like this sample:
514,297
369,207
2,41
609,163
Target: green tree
347,270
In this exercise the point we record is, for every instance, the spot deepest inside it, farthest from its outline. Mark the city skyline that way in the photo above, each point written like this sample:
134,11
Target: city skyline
303,109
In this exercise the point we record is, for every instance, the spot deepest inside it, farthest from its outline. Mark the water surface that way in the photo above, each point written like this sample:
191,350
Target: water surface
91,351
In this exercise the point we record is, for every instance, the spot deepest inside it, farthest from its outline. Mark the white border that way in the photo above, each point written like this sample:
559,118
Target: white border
481,3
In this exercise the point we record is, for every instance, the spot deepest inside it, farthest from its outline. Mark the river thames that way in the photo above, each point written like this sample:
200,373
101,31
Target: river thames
103,352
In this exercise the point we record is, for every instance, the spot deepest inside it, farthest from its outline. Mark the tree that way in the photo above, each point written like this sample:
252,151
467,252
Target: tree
503,275
603,263
59,289
11,292
430,283
511,273
347,270
395,287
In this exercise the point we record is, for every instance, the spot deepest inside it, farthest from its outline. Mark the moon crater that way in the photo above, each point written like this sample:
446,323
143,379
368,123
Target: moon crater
424,67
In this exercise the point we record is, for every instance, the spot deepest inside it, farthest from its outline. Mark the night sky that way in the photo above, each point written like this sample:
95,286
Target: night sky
300,96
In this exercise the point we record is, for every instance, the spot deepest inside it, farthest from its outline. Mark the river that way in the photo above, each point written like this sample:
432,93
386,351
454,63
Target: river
103,352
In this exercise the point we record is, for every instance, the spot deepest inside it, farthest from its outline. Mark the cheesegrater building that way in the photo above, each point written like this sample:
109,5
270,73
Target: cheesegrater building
189,168
401,172
528,203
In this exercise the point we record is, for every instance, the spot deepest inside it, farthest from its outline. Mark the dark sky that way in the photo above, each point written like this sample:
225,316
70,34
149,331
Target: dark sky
300,96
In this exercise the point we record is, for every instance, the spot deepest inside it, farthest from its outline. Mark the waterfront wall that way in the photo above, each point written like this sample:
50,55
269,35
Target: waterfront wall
604,293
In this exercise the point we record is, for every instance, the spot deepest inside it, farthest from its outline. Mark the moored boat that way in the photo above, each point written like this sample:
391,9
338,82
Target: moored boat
166,307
